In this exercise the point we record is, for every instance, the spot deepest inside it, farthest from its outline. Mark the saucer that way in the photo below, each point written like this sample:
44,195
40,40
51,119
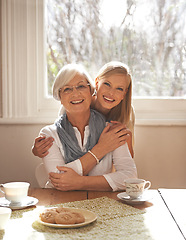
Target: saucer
140,200
27,202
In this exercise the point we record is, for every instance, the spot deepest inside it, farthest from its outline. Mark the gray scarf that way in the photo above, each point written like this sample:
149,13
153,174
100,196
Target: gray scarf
72,150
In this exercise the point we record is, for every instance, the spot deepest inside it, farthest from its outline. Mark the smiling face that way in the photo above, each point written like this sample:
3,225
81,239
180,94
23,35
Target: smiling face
76,96
111,90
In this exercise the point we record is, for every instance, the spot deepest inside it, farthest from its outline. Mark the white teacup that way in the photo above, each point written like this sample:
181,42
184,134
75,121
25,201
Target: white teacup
15,192
136,187
5,214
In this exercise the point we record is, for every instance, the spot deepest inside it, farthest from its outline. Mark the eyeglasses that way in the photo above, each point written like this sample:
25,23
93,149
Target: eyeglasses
80,88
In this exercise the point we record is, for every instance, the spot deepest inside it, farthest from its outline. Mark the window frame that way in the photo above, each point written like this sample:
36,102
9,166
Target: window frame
23,83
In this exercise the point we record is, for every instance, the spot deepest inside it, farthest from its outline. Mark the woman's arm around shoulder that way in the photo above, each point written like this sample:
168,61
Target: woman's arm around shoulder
110,139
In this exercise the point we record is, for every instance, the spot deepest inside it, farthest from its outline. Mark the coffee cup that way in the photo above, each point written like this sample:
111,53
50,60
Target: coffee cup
5,214
15,192
136,187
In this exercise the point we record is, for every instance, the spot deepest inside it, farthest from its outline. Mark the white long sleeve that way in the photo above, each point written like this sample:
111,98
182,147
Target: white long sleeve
124,168
121,158
56,154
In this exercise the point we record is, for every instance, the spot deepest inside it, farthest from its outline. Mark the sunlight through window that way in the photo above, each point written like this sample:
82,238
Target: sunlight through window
148,36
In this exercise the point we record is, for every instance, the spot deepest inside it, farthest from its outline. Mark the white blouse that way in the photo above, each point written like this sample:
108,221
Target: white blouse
120,158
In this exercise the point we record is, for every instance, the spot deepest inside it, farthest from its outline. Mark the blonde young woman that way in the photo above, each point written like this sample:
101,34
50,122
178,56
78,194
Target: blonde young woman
112,98
74,161
113,95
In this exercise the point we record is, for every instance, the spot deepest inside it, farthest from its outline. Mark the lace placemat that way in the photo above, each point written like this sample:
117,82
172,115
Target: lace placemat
115,220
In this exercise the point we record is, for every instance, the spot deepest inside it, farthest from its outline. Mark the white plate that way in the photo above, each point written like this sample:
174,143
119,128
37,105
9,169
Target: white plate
89,218
124,197
27,202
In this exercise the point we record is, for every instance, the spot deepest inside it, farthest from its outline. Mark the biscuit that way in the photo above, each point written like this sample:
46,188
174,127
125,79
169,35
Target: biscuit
79,217
48,216
69,218
62,209
61,215
65,218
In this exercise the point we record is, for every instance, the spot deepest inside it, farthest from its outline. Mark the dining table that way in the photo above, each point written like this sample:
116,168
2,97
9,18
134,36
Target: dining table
175,200
160,217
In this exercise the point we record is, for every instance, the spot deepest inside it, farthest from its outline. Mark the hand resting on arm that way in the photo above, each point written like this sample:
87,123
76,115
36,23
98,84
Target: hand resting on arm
69,180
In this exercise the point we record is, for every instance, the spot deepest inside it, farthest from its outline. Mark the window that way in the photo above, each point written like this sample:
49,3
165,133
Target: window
149,36
24,72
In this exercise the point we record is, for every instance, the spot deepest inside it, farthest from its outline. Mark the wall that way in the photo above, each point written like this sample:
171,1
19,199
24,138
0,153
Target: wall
17,163
160,154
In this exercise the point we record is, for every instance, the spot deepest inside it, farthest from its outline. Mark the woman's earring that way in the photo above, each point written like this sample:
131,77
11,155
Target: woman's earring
95,92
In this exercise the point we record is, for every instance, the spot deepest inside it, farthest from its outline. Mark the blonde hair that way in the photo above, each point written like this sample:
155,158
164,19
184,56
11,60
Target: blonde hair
66,74
121,112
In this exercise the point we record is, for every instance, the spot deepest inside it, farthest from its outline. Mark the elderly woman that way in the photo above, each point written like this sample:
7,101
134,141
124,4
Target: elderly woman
75,152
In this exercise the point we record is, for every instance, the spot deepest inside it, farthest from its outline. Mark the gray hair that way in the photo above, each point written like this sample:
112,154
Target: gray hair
66,74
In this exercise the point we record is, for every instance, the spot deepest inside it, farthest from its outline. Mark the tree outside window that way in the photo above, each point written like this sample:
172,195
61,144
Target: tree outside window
149,36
